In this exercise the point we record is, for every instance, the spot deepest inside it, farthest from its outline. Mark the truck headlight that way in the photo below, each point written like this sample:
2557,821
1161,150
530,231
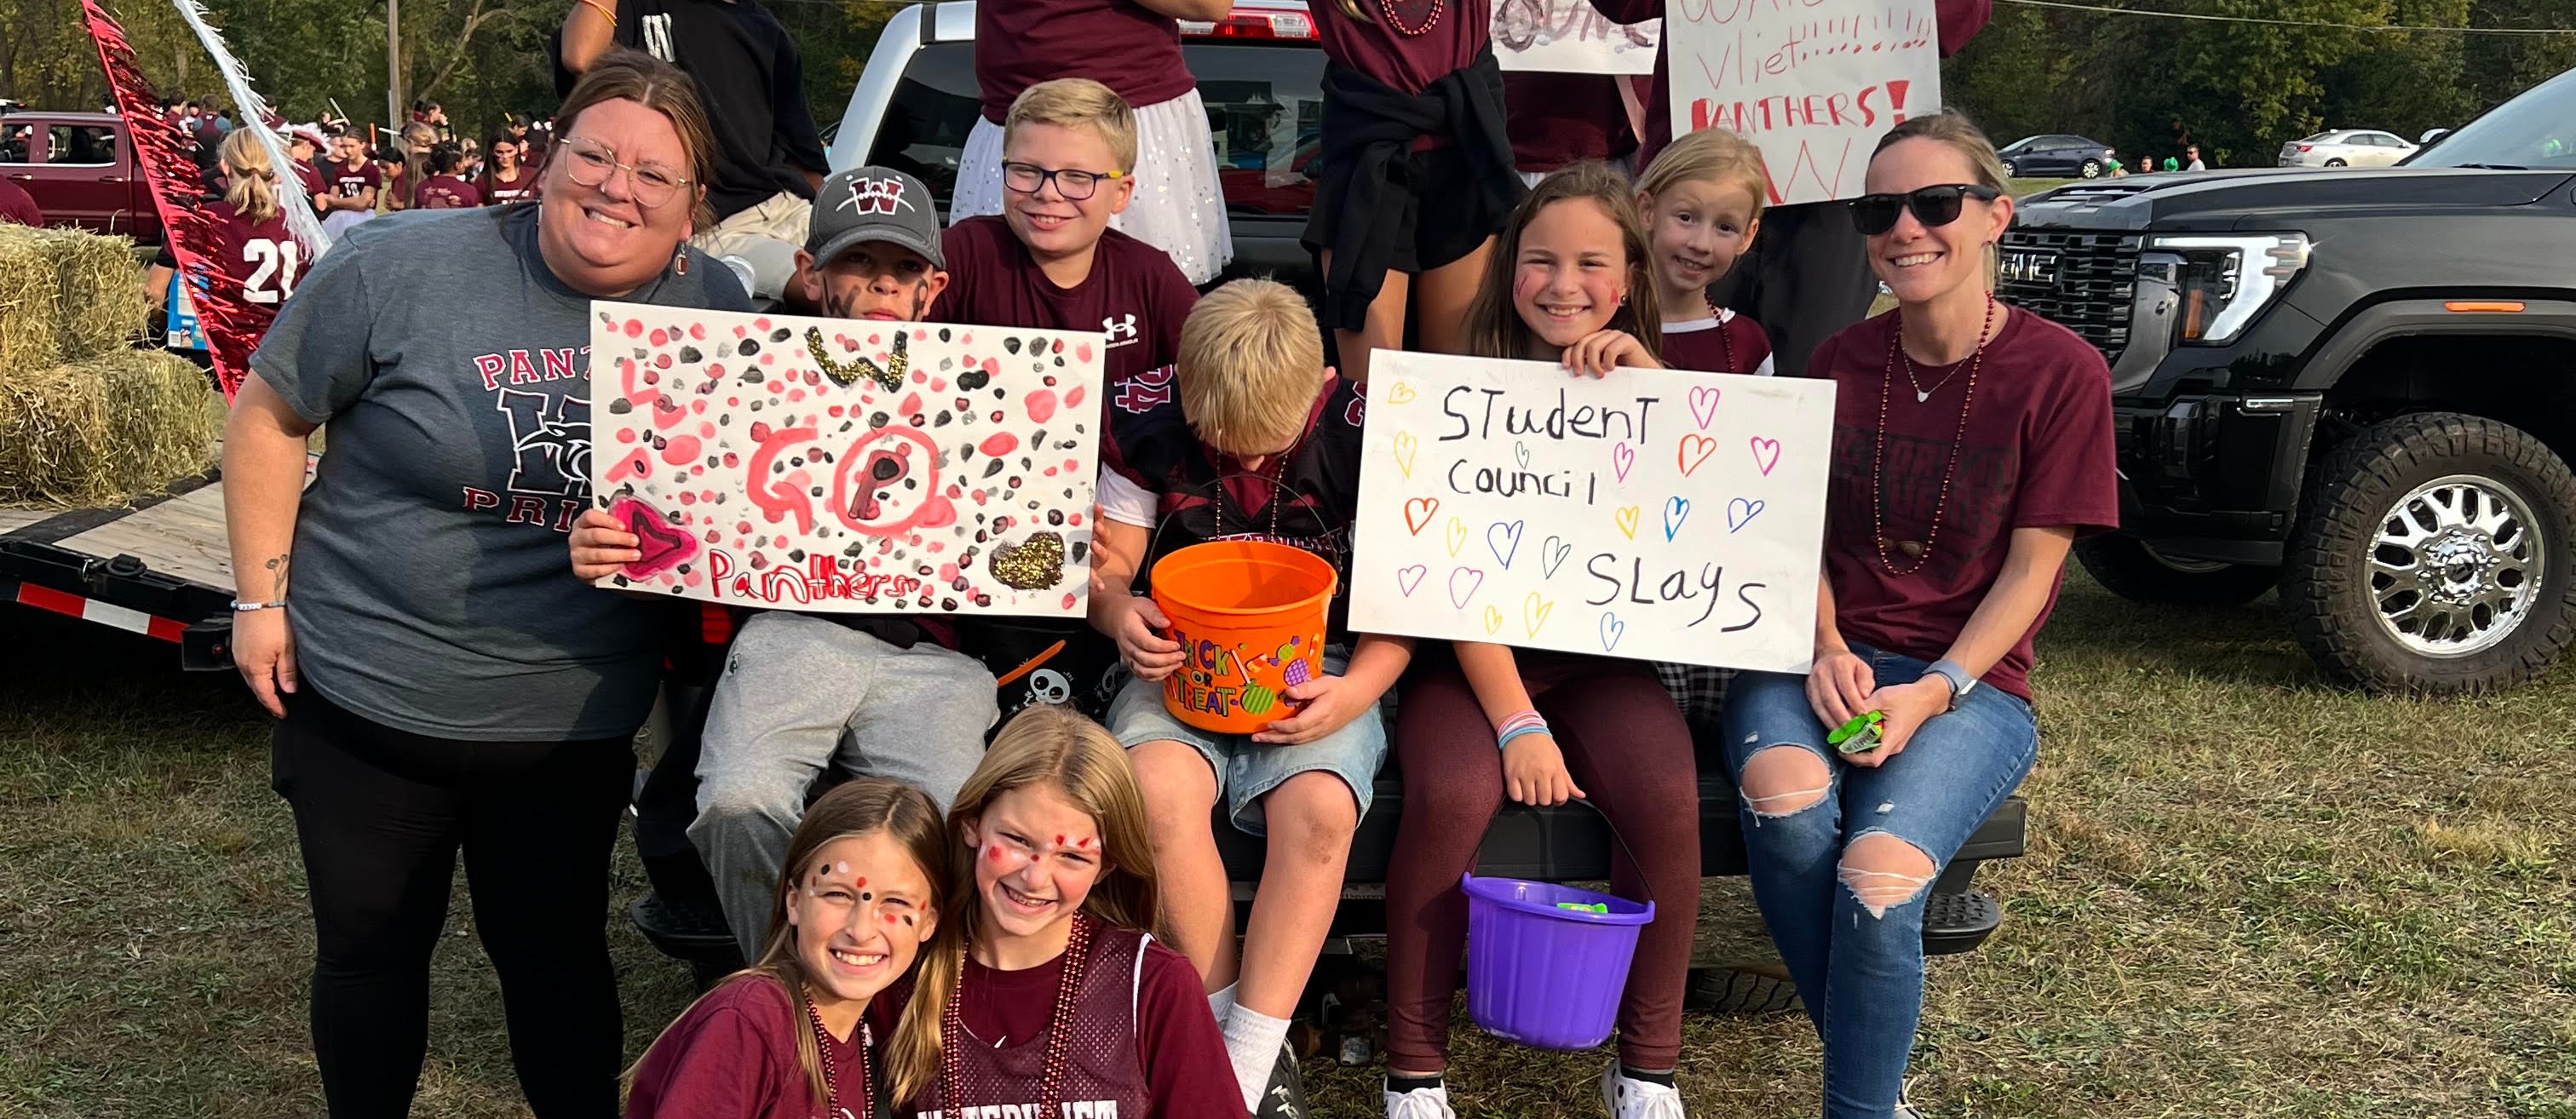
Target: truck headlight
2224,281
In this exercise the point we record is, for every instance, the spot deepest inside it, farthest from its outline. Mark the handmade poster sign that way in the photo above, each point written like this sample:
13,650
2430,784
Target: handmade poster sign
1815,83
1569,37
842,465
1651,514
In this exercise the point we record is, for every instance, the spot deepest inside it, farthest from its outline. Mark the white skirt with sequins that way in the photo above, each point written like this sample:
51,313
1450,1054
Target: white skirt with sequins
1179,206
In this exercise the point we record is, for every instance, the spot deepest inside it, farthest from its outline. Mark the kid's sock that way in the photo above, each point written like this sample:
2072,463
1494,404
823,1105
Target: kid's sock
1664,1078
1402,1084
1252,1039
1221,1004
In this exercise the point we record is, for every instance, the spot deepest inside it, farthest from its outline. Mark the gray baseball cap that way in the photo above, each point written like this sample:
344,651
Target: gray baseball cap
866,204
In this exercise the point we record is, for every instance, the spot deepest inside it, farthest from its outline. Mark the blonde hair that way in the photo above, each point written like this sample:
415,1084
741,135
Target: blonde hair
1494,326
253,193
1078,103
1710,155
1250,360
859,808
1952,128
1061,750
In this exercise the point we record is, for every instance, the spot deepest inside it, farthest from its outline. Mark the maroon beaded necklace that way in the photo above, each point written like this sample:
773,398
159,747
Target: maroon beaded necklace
1725,345
1958,441
1387,8
831,1086
952,1068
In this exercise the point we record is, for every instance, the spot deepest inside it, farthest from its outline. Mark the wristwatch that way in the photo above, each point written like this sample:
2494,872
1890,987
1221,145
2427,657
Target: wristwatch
1957,675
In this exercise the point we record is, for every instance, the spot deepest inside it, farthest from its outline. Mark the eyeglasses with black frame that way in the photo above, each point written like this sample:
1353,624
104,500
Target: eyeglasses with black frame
1074,185
1934,206
593,163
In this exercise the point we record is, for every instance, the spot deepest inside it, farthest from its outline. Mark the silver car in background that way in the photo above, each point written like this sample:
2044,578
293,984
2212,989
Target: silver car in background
2346,147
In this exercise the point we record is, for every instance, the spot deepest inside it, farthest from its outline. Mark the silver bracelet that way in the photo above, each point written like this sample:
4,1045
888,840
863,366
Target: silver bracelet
240,607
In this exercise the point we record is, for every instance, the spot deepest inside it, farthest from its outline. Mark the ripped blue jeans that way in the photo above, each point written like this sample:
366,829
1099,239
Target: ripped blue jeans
1856,951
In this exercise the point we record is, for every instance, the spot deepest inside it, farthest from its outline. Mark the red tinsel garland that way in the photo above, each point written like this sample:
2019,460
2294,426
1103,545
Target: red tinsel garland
172,175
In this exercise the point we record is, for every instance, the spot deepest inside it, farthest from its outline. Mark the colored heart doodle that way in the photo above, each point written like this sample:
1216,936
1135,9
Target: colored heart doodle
1520,451
1675,510
1534,611
1462,585
1739,511
1612,629
1694,451
661,546
1409,578
1400,393
1504,537
1457,536
1622,457
1418,511
1493,621
1552,553
1406,446
1703,405
1626,516
1766,454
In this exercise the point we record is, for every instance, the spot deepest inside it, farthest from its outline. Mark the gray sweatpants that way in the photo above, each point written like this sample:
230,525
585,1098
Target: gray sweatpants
801,693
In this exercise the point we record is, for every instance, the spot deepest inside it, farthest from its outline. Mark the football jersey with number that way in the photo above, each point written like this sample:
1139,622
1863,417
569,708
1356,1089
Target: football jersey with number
262,257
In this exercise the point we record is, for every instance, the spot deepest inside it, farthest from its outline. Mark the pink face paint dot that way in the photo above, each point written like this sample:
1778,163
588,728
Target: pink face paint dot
994,852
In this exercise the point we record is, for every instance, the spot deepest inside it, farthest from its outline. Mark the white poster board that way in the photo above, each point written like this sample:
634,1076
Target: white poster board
1653,514
843,465
1569,37
1814,82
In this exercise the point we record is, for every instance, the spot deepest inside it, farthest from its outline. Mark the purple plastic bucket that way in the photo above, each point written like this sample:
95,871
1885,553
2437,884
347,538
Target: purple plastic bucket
1544,976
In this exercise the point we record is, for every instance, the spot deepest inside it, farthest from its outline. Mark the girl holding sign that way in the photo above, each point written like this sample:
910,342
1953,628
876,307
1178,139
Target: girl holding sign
1987,432
1570,281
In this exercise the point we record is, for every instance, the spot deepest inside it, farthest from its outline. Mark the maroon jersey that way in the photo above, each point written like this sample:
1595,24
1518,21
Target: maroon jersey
314,184
2037,454
499,191
1135,295
1121,44
262,257
446,192
734,1055
1557,119
350,182
1456,32
1144,1045
1722,343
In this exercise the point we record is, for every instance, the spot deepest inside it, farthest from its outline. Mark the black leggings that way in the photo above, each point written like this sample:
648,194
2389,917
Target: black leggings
380,814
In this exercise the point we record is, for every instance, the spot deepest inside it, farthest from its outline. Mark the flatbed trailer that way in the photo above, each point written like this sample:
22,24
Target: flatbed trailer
159,568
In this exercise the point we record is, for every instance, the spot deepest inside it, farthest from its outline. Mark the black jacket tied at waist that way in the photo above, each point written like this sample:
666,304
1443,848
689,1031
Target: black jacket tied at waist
1369,132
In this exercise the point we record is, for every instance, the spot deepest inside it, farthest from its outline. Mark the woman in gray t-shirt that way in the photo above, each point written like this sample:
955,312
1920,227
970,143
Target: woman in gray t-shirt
444,683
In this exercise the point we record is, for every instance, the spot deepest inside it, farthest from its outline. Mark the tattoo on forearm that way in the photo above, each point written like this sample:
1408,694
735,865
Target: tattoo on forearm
276,576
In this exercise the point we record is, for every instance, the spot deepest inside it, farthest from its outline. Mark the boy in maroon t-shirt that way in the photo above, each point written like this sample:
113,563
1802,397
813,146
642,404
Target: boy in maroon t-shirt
1050,260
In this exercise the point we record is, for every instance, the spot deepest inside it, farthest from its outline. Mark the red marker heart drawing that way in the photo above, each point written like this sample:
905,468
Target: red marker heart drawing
663,546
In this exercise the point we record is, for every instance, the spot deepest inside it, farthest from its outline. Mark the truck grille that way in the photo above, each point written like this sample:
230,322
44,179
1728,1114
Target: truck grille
2084,282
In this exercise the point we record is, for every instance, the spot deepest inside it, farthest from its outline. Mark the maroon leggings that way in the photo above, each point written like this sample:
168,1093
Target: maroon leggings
1628,749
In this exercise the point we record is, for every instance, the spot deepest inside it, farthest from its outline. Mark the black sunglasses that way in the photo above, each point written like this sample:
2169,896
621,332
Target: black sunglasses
1934,206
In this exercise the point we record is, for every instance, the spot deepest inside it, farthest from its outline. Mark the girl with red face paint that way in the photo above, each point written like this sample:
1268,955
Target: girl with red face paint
787,1037
1047,984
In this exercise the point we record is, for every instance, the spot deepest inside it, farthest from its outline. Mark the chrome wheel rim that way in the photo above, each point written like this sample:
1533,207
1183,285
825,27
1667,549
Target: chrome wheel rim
2455,566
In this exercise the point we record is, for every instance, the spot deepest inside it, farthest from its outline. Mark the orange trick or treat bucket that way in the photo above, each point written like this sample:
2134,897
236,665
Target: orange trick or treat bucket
1249,618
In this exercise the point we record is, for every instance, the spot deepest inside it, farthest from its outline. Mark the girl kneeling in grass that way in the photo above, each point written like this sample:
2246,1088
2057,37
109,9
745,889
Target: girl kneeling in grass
787,1036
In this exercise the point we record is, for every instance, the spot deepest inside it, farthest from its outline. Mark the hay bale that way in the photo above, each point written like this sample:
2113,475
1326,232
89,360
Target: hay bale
30,301
102,432
102,302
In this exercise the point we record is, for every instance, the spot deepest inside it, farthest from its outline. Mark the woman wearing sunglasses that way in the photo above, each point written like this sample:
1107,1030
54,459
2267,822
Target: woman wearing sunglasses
1972,444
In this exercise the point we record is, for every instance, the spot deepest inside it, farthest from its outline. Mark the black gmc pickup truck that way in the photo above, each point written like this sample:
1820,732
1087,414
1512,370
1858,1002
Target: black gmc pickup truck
2357,386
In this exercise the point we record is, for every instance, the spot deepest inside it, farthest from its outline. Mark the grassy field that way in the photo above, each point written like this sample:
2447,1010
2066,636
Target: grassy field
2248,894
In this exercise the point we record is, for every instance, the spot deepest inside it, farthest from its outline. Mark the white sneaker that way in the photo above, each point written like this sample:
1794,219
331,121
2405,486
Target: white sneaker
1636,1099
1420,1103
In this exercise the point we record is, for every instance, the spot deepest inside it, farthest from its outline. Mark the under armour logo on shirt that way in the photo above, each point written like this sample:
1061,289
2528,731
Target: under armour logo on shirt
1120,329
876,196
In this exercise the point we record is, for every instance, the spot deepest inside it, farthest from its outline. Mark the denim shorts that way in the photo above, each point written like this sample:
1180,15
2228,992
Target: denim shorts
1247,770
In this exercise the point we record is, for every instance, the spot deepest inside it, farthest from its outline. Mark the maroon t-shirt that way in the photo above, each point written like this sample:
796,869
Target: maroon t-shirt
1144,1045
18,206
446,192
1134,294
1410,63
1724,343
2038,455
262,257
499,191
1959,20
311,177
1119,43
734,1055
348,182
1557,119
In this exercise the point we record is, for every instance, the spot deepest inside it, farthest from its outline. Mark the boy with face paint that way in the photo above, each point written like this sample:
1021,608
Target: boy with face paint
903,703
